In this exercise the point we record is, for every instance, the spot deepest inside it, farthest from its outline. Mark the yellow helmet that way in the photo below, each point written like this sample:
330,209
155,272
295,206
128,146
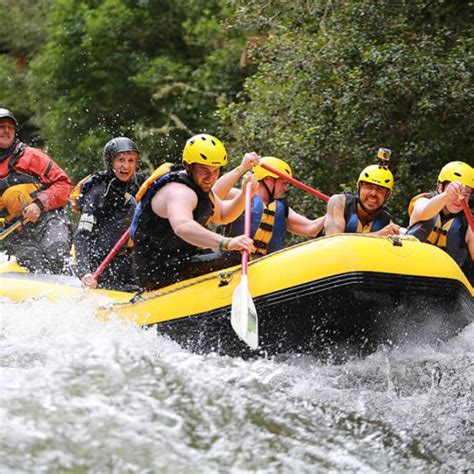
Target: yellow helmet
375,174
276,163
457,171
205,150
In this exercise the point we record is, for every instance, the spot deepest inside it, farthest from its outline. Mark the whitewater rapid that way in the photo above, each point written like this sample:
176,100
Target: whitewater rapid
81,395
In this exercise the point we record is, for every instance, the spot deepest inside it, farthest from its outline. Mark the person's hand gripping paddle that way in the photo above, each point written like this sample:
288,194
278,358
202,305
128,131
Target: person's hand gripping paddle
243,316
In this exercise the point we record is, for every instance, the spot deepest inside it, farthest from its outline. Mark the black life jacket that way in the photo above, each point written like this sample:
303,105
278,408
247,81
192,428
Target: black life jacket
153,234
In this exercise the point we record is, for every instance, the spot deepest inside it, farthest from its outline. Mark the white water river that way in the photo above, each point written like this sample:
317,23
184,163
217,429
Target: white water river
79,395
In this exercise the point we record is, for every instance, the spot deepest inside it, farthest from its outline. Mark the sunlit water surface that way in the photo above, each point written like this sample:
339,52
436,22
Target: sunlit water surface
80,395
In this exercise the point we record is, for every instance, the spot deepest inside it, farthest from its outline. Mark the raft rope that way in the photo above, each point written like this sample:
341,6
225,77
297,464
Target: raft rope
138,297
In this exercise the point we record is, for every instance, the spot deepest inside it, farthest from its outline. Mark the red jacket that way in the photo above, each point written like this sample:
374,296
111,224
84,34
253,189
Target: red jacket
56,184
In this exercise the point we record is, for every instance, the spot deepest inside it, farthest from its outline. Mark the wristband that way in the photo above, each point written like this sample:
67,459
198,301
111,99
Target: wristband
224,243
241,171
39,204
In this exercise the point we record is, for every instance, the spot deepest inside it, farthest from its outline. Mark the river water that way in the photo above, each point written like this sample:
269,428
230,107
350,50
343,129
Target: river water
80,395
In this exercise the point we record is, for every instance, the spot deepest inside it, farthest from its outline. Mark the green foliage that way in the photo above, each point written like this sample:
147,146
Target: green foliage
153,70
320,83
23,26
337,80
23,32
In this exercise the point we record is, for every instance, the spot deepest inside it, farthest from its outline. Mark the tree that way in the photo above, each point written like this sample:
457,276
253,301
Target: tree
152,70
336,80
23,33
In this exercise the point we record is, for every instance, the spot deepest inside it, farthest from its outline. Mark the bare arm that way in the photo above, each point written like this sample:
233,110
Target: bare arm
229,210
301,225
224,187
426,209
335,222
389,229
176,203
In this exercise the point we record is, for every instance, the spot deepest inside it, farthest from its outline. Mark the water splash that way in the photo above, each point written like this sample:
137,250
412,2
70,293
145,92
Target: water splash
81,395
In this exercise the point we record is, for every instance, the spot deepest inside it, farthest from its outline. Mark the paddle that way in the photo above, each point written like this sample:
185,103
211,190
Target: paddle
243,318
468,214
294,181
111,254
10,229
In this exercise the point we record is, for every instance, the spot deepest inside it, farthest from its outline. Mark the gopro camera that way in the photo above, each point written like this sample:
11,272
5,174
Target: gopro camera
384,154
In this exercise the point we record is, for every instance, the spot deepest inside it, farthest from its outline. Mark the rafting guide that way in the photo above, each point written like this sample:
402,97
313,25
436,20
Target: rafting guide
171,240
34,191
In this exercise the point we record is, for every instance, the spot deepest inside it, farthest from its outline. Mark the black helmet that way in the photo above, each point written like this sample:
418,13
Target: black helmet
117,145
5,113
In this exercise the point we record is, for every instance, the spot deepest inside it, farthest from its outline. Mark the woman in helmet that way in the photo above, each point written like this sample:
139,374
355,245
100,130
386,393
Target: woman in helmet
438,218
363,212
106,202
35,190
169,226
272,218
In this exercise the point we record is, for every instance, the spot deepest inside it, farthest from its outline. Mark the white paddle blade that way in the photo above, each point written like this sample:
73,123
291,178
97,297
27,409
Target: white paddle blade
243,316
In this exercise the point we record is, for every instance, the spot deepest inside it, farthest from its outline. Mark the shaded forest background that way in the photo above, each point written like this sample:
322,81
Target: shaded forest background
321,84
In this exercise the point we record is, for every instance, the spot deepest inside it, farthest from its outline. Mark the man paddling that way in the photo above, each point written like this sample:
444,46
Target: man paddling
438,218
272,218
169,228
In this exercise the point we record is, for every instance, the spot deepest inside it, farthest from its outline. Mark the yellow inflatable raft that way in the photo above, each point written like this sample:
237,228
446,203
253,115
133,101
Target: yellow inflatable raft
349,289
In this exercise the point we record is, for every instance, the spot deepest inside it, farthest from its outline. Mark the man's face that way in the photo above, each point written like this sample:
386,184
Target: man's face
277,185
454,203
125,165
372,196
7,132
205,176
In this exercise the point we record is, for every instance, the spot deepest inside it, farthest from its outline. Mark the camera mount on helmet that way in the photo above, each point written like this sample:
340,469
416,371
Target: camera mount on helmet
384,155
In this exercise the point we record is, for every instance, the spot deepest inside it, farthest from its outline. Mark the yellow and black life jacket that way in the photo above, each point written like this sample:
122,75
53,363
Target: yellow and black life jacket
267,226
446,231
17,190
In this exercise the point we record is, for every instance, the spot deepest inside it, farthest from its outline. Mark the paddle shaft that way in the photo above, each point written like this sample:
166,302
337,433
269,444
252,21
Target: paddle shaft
468,214
111,254
10,229
294,181
247,218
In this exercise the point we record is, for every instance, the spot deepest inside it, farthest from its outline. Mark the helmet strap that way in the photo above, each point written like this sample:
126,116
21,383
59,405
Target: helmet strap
270,193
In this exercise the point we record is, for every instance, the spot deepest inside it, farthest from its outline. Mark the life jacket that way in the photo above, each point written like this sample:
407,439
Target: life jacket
267,225
103,181
76,192
446,231
27,165
17,189
16,198
152,233
353,224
